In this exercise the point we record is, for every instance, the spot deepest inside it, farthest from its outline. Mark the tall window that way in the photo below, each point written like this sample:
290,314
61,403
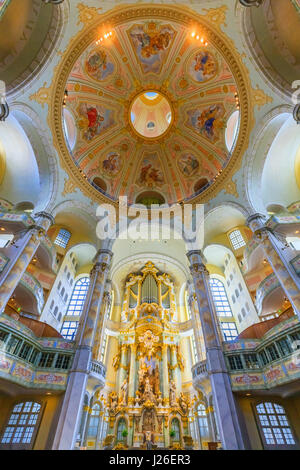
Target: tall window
236,239
21,425
276,431
62,238
78,297
220,298
202,422
69,328
94,421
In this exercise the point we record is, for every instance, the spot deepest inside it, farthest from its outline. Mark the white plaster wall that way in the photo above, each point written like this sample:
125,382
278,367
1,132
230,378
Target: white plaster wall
21,181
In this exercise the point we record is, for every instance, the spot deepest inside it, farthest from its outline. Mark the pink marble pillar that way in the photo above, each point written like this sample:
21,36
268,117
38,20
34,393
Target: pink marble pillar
225,405
69,418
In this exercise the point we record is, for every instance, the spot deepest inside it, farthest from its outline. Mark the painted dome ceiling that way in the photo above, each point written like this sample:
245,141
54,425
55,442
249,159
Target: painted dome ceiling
150,112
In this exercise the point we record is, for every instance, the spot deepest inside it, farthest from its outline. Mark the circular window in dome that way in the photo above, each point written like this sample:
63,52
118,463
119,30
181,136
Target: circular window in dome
151,114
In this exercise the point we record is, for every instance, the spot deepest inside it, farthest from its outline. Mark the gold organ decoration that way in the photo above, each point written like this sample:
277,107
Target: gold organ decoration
149,364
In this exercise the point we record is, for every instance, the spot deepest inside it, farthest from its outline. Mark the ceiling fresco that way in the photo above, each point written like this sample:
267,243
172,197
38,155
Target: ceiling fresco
147,108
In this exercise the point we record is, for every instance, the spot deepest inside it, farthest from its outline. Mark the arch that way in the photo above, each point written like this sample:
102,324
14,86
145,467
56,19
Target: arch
40,140
32,44
264,33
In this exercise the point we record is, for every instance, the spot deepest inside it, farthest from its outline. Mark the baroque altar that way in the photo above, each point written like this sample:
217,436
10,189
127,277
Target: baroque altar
148,400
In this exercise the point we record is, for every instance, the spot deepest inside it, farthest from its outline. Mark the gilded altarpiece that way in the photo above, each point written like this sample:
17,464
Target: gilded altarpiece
148,400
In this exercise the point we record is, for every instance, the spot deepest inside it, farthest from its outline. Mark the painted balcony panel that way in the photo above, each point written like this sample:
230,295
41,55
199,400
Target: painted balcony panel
29,376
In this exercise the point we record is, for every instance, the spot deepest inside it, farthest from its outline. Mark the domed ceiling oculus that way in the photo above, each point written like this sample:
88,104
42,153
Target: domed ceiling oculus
151,115
150,106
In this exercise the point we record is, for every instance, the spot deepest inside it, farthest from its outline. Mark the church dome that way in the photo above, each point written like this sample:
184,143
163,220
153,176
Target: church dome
147,107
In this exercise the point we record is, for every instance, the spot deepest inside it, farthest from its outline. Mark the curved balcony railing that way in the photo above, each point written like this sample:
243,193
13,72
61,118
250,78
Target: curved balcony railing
98,368
32,284
199,370
268,285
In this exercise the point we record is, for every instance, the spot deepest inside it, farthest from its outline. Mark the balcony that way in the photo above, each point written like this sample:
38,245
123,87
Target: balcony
97,374
200,376
32,362
30,294
269,362
269,295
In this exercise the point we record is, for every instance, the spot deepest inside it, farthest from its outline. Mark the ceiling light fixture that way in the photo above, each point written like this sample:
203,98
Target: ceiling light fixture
199,38
105,36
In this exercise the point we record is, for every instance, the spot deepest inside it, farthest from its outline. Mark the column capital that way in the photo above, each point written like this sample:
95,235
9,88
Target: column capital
100,253
195,253
45,215
258,218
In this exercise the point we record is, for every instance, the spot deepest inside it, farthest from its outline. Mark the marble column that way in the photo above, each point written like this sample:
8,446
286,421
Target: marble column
132,373
165,374
33,238
123,366
72,404
226,410
284,272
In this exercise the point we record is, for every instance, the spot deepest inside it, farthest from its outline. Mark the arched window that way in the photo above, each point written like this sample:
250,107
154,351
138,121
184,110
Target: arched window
202,422
274,426
78,296
69,328
236,239
21,426
121,428
175,430
62,238
94,421
223,308
220,298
